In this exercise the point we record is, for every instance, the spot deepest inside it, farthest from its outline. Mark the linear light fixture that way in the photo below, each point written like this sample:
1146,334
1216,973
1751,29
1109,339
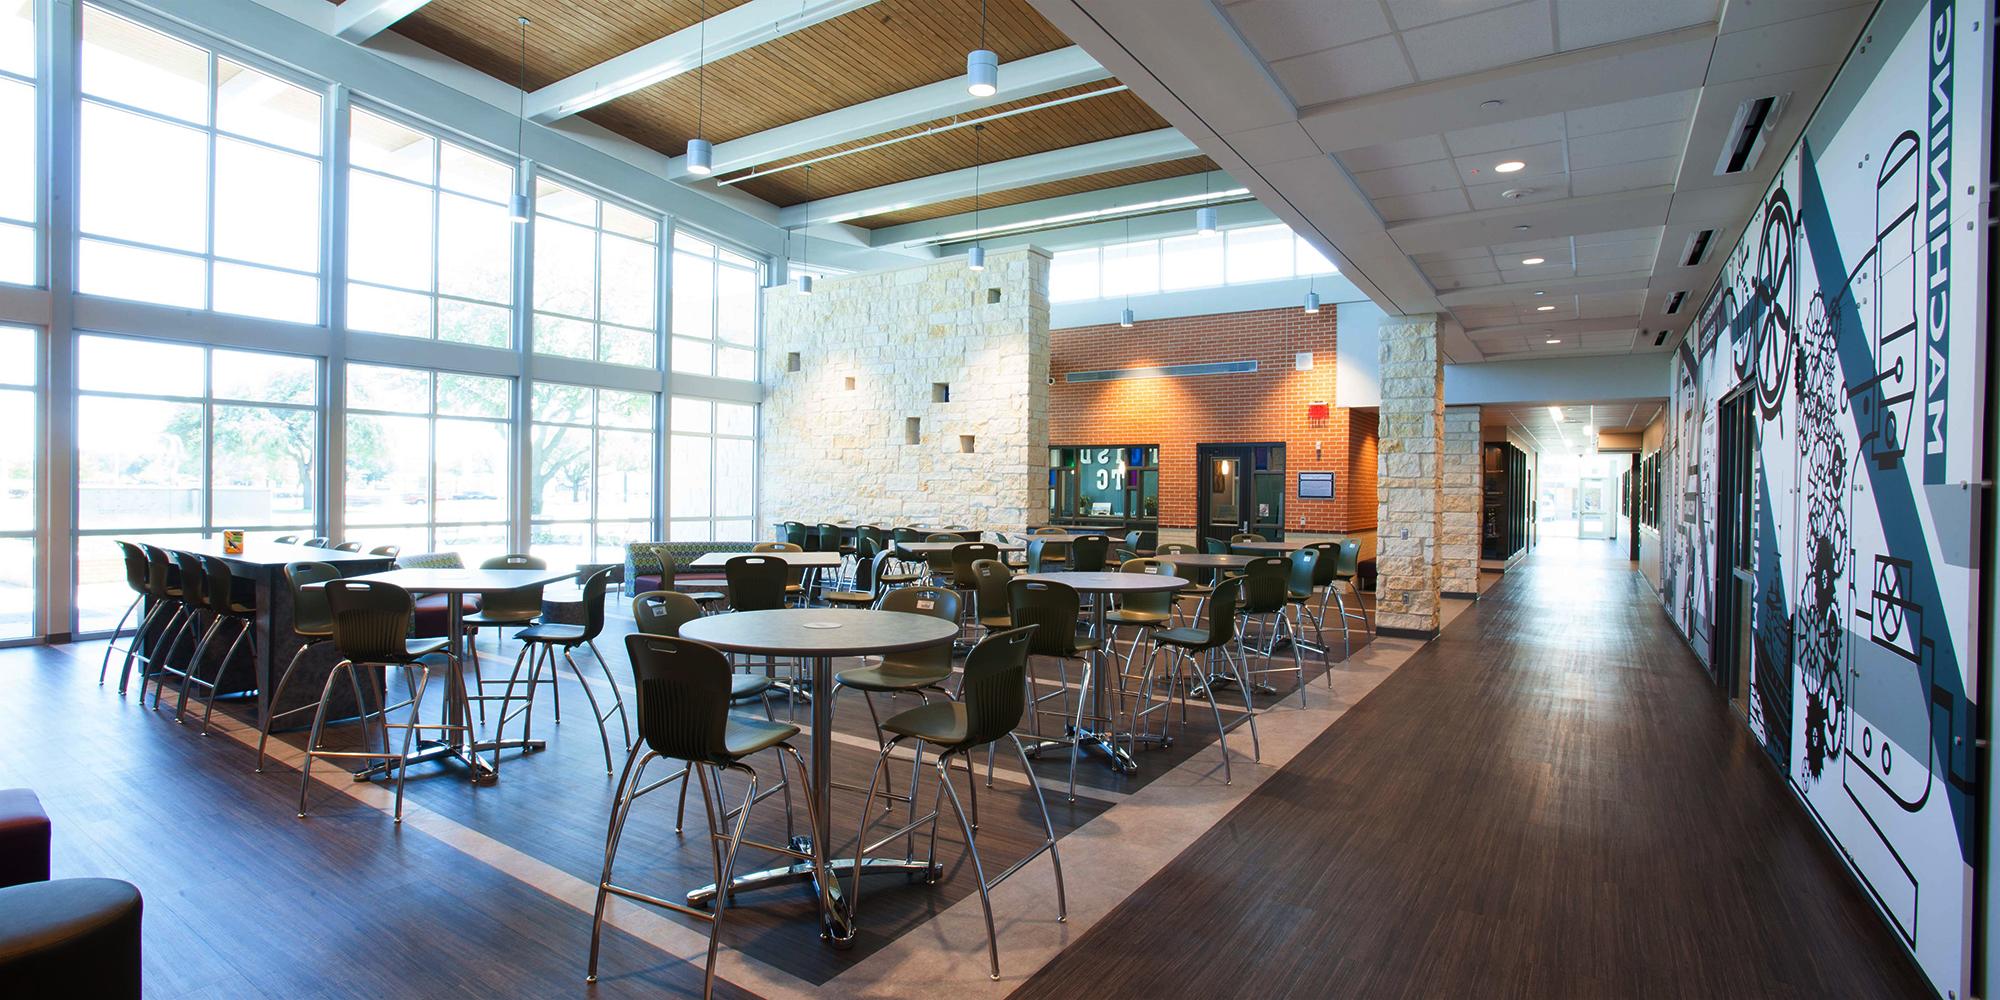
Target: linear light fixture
1076,218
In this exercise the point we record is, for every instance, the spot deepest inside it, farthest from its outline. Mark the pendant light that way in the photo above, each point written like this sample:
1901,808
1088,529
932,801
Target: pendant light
700,155
518,205
1204,217
1125,317
982,65
805,242
1312,296
975,258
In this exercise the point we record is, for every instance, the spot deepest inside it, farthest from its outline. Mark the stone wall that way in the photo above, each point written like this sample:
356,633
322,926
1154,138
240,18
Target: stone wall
963,354
1410,444
1459,506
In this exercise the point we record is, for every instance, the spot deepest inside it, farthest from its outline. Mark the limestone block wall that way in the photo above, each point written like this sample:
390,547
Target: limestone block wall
1410,443
913,396
1458,505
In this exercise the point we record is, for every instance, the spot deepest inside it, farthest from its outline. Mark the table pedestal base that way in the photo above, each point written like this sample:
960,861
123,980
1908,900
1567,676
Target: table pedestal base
839,930
482,769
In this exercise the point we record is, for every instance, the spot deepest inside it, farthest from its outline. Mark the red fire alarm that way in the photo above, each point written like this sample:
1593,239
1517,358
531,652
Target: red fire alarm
1317,411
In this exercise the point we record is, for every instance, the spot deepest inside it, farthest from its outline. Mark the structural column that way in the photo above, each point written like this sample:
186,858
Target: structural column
1409,478
1458,518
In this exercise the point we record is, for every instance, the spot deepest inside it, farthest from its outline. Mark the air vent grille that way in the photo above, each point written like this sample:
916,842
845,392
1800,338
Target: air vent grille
1162,371
1674,302
1697,248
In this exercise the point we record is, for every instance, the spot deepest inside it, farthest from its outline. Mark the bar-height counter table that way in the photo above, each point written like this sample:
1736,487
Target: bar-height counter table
263,564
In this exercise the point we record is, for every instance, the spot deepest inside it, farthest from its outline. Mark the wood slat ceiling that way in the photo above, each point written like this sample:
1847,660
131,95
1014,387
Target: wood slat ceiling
567,36
1075,185
1072,124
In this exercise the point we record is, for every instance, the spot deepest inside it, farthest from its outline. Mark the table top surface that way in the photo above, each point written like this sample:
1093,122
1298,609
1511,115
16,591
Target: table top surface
265,553
467,581
819,631
935,548
1202,560
1073,537
817,560
1265,548
1109,583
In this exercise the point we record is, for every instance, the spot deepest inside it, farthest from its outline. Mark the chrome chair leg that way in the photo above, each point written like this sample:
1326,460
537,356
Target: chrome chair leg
271,715
603,734
978,867
111,644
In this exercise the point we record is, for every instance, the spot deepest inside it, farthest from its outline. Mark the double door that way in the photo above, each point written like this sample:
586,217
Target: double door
1241,489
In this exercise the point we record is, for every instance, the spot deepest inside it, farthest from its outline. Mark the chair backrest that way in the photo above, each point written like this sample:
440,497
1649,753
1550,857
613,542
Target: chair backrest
1264,581
1045,556
1121,554
963,555
286,540
826,537
1158,601
319,543
907,535
990,577
1088,552
1215,546
392,551
943,538
1142,541
867,548
1247,536
431,560
663,612
1305,571
311,615
348,547
1323,564
135,566
795,533
159,570
936,602
193,578
994,691
1050,529
868,569
1349,562
1219,616
777,547
756,583
371,619
218,584
683,703
511,601
1176,549
1051,608
871,532
594,586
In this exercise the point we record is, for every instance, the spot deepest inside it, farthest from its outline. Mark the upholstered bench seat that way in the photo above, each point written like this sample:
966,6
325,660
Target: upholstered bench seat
24,838
74,937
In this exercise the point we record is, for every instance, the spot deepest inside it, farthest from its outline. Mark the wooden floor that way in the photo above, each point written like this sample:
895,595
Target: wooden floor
1551,801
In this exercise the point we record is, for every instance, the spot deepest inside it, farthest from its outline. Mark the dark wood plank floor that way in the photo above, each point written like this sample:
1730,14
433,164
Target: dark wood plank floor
1551,801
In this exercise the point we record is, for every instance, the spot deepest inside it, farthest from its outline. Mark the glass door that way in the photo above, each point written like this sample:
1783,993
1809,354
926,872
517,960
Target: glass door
1241,489
1596,507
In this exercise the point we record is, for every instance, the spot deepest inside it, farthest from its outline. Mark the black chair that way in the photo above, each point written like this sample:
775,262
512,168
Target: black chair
663,612
963,578
392,551
319,542
226,602
135,580
796,533
1145,543
286,540
1308,577
1266,596
163,597
795,578
917,671
516,609
1215,634
683,697
348,547
989,710
1347,570
1088,552
192,581
991,605
312,622
1143,611
371,628
1053,608
867,589
540,643
757,583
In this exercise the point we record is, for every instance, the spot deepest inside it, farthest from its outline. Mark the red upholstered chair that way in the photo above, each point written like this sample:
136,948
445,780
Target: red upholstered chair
24,838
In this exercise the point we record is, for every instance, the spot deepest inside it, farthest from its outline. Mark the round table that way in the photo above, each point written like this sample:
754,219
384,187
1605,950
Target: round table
819,635
1103,585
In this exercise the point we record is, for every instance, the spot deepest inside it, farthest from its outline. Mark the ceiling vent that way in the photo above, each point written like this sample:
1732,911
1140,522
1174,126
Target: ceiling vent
1661,339
1749,132
1696,250
1674,302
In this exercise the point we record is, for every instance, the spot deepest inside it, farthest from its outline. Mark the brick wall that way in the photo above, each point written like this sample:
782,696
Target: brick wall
1177,414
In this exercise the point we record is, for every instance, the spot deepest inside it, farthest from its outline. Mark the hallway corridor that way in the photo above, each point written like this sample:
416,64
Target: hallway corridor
1549,801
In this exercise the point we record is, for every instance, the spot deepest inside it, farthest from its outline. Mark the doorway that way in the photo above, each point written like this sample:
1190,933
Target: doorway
1241,488
1596,507
1735,543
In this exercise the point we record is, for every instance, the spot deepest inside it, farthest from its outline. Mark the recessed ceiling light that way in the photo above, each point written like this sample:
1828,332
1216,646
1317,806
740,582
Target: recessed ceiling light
1508,167
1492,104
1532,261
1543,309
1540,291
1553,340
1522,229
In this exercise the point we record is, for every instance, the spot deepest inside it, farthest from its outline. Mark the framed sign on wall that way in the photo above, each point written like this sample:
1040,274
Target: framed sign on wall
1315,485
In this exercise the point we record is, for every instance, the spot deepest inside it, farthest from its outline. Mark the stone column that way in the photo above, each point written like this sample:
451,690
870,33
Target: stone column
1458,520
1409,478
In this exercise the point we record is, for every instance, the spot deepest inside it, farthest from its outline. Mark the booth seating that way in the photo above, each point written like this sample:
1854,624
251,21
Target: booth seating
73,937
433,614
642,564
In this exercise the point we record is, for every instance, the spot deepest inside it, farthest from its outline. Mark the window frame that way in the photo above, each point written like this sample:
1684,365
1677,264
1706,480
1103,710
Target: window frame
656,456
711,435
760,269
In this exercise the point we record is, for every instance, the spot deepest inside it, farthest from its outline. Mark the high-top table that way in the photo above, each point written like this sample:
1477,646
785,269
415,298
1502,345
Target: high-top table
1102,586
263,564
455,584
819,635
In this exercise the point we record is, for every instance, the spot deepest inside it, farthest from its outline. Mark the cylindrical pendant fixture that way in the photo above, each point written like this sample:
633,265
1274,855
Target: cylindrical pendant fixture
1125,318
1204,220
982,72
1312,302
700,157
975,258
518,209
805,284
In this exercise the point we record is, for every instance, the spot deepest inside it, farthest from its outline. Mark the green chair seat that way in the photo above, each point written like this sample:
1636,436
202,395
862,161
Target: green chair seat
859,597
745,736
1193,637
746,685
892,675
1135,616
944,724
996,622
901,577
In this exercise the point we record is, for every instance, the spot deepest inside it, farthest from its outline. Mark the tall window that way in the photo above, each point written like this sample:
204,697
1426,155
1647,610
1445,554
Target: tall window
1178,263
712,472
18,454
593,472
18,143
597,271
430,248
183,440
427,460
200,177
715,310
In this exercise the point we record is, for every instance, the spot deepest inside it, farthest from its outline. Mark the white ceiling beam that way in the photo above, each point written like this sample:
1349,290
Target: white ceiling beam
1004,175
1022,78
1111,199
359,20
742,27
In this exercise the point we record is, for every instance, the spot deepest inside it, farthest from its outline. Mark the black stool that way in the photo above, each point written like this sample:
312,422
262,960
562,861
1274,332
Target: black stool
73,937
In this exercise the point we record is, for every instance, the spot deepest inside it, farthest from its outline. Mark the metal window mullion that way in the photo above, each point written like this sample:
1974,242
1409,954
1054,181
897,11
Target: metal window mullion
331,490
520,504
59,109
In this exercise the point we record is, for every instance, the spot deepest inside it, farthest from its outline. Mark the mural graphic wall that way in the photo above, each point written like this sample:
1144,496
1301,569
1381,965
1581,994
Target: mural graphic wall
1853,311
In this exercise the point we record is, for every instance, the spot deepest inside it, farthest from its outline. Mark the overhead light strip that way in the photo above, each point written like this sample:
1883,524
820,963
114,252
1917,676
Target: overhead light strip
755,174
1112,214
